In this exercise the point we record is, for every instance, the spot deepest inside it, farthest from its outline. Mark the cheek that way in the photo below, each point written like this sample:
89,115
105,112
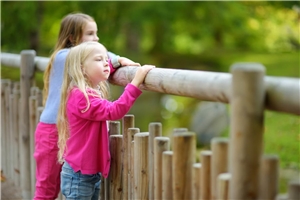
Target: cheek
87,38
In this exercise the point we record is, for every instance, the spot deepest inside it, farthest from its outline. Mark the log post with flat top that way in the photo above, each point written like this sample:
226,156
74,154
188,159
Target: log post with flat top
27,75
246,129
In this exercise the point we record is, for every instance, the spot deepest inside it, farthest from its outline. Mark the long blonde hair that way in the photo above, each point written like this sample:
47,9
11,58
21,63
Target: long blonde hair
70,34
75,77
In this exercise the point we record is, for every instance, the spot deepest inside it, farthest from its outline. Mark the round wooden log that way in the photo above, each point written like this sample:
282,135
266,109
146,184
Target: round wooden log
161,144
127,122
16,158
32,127
282,92
132,170
294,190
219,148
167,180
223,181
196,175
4,122
27,75
282,197
269,170
247,115
115,174
130,137
184,147
141,179
205,159
155,130
114,128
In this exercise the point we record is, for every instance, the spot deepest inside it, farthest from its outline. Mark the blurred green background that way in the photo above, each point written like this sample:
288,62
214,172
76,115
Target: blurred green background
194,35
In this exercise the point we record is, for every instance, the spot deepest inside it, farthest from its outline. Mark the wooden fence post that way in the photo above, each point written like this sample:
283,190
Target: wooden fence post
205,179
167,180
219,148
127,122
130,137
184,147
196,189
268,186
155,130
246,129
223,186
141,177
27,74
160,145
16,118
115,174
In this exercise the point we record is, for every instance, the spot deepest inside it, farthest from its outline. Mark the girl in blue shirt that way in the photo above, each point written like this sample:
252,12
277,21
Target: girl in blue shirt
75,29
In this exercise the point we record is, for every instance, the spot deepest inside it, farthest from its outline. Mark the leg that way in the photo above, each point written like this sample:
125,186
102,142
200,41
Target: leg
75,185
47,167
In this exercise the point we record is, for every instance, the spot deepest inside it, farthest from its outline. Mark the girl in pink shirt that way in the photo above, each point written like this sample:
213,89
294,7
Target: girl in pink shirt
83,112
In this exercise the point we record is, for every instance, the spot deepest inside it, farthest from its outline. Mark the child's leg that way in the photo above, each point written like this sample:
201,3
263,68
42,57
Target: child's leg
47,167
75,185
97,190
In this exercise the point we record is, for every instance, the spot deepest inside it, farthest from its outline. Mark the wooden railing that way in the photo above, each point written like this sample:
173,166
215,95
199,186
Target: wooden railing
145,167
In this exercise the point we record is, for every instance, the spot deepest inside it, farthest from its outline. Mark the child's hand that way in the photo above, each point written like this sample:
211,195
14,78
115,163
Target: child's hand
140,74
127,62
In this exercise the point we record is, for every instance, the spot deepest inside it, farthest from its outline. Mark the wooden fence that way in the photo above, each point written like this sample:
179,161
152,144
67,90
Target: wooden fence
146,165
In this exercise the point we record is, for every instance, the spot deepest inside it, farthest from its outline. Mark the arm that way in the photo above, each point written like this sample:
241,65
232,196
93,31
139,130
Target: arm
118,61
102,109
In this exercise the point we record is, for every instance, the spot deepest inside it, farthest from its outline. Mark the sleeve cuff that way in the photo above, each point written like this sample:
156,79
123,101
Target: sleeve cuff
115,61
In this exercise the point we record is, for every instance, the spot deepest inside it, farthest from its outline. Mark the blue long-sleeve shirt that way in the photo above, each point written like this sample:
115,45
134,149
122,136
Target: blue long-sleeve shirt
49,114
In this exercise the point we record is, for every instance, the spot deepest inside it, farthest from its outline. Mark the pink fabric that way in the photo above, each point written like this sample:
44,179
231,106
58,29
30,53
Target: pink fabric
88,144
48,170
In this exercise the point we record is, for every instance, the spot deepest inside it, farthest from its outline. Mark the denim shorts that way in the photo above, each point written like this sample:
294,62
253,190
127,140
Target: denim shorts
77,186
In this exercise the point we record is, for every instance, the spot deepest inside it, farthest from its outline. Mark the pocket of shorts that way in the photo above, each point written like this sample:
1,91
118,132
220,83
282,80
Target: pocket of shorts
65,184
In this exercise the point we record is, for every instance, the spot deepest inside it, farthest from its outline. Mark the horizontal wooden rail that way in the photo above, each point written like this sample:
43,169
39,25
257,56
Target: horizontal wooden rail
282,92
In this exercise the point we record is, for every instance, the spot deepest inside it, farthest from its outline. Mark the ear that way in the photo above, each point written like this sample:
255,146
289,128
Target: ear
71,39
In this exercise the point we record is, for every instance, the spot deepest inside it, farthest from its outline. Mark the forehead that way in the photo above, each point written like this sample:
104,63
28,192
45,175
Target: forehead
99,49
90,26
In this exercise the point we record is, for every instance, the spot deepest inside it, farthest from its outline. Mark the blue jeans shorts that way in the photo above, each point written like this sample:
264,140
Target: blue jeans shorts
77,186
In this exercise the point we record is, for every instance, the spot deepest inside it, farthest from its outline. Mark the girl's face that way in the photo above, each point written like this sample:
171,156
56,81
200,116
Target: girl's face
96,66
89,32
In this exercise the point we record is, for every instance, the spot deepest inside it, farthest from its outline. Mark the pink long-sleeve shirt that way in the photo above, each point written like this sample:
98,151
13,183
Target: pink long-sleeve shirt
88,144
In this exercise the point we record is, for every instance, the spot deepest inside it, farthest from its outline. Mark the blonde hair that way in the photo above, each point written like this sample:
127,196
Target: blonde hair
74,76
70,34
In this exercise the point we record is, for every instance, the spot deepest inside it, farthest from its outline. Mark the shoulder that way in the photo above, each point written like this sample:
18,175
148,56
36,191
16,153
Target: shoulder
62,53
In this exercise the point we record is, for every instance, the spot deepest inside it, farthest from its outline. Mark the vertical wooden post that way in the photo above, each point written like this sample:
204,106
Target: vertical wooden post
219,147
294,190
155,130
268,186
161,144
8,91
184,147
167,180
130,137
132,170
27,74
32,125
141,179
223,186
196,190
16,158
246,129
128,122
113,129
4,121
205,159
115,174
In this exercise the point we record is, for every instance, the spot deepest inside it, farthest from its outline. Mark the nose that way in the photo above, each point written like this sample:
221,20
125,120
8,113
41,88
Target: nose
96,38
